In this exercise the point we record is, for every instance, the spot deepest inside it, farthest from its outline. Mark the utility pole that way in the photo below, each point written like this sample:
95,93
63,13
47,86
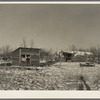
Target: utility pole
61,53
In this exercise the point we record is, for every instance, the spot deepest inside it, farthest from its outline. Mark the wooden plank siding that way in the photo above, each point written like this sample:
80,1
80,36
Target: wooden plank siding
32,52
15,57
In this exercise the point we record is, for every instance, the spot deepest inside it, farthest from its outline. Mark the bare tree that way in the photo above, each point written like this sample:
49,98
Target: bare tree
24,43
73,48
46,54
1,50
32,44
6,50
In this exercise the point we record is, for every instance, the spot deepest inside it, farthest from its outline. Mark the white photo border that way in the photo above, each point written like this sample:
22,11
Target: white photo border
12,94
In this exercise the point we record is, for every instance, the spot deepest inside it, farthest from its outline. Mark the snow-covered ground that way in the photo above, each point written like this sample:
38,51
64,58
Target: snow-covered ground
64,76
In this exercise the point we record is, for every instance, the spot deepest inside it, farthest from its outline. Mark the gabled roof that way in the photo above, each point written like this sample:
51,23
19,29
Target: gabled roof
76,53
26,48
83,53
29,48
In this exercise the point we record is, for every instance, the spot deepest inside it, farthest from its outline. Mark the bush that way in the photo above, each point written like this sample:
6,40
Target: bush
79,58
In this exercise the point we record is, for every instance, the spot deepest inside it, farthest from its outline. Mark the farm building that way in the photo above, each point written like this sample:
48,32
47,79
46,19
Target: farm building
26,56
69,55
65,55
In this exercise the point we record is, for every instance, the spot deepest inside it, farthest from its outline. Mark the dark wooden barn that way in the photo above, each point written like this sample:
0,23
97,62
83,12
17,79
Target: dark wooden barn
26,56
67,56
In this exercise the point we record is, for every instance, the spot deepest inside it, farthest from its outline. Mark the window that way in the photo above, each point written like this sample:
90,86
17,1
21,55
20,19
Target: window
23,58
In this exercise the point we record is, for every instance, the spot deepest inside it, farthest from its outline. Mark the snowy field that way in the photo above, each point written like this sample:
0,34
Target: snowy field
60,76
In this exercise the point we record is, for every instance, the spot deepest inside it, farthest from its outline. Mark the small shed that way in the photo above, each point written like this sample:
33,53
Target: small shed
26,56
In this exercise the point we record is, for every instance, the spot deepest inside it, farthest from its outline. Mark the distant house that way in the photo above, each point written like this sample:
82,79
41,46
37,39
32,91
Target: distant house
68,55
65,55
26,56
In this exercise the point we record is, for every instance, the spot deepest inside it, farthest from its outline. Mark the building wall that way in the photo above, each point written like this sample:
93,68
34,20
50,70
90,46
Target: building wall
34,56
15,57
35,59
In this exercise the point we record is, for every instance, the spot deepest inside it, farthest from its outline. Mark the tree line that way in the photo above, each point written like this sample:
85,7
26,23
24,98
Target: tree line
48,54
95,57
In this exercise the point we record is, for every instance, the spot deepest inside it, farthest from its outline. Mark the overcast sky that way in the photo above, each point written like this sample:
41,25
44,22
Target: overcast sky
50,26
